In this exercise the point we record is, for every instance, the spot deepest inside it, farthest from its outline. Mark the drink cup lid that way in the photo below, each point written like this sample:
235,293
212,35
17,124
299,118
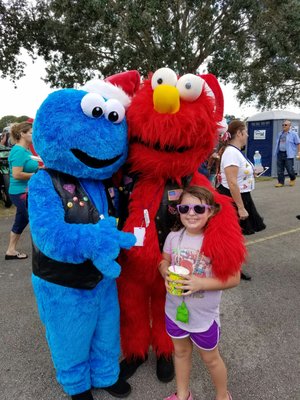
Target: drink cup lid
178,269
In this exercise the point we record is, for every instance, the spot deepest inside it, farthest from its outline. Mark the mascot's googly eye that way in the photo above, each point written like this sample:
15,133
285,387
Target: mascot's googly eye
114,111
163,76
190,87
93,105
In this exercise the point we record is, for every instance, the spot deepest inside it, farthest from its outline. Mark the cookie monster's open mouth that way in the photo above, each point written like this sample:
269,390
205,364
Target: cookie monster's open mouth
157,146
93,162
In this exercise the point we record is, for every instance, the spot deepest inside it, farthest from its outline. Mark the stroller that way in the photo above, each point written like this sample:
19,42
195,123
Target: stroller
4,176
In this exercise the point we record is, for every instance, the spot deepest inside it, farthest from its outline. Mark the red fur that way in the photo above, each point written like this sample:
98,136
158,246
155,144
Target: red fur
191,126
141,288
223,241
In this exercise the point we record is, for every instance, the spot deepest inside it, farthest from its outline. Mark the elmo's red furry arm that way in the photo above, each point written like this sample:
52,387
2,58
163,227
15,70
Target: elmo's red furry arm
223,240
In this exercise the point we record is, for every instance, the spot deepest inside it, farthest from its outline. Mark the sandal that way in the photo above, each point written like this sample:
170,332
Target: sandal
229,396
174,397
18,256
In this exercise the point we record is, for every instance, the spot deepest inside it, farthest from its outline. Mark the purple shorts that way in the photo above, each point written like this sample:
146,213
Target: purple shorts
204,340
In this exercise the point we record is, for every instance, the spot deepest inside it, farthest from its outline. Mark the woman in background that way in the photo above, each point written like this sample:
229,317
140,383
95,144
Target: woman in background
237,180
21,168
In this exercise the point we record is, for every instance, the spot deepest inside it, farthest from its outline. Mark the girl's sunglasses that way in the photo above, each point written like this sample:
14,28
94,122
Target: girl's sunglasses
198,208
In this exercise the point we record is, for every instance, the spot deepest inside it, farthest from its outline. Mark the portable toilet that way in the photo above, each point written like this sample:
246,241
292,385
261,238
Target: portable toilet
262,130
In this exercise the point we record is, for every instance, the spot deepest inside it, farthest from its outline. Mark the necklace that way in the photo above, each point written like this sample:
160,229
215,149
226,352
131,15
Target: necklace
182,312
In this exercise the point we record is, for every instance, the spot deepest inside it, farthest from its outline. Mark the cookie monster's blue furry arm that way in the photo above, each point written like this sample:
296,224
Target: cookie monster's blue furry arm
63,241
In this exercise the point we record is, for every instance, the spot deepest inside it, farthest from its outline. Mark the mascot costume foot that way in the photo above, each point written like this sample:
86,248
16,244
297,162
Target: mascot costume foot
173,126
81,136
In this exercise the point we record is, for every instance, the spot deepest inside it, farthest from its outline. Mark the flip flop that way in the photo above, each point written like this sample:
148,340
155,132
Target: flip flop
229,396
17,256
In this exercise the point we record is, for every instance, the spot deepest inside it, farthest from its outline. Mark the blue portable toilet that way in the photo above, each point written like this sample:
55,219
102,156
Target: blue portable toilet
262,130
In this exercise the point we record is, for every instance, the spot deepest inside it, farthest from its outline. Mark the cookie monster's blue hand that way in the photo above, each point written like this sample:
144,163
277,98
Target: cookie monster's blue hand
108,245
127,240
111,270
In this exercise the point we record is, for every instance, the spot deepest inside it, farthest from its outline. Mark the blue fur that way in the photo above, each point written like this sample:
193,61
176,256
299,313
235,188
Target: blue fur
60,125
82,326
74,243
82,330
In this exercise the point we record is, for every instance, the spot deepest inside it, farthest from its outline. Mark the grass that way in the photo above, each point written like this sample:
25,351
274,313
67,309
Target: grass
264,178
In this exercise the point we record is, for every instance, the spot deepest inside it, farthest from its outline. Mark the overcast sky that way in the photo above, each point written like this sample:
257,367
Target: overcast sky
31,91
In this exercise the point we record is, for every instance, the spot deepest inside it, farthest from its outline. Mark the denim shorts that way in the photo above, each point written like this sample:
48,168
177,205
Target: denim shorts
207,340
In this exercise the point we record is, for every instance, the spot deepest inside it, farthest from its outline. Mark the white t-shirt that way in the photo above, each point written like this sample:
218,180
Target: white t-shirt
203,305
245,177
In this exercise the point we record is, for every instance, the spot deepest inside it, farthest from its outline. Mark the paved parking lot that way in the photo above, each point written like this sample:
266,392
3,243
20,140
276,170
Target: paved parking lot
260,320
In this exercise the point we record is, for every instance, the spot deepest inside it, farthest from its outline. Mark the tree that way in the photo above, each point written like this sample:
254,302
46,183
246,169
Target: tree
12,37
245,42
9,119
266,70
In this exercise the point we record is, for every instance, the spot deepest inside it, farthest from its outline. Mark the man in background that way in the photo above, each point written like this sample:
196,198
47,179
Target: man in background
287,148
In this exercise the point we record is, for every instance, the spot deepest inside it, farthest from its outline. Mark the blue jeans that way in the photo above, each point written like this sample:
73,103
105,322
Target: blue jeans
21,218
288,164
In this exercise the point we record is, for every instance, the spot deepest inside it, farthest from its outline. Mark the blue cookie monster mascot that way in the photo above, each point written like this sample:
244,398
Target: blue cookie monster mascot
81,136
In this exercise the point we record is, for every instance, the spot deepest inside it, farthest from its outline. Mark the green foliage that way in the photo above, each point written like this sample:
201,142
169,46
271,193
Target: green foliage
13,36
6,121
10,119
266,68
251,43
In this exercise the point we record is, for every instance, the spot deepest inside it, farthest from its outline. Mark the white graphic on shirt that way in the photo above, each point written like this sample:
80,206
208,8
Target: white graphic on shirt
197,264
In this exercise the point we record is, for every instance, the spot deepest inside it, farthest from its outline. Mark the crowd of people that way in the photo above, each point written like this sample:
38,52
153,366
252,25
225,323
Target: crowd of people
193,317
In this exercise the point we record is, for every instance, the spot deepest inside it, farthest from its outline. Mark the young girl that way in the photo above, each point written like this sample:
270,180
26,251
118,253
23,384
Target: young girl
201,294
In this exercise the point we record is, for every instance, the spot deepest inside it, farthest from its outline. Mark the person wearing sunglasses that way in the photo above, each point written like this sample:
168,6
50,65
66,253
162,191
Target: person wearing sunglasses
201,293
286,149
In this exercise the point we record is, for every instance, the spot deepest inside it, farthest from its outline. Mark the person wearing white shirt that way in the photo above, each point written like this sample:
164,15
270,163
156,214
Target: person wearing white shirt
237,179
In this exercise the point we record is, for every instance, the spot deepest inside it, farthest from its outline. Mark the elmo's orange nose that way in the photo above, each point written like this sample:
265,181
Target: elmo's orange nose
166,99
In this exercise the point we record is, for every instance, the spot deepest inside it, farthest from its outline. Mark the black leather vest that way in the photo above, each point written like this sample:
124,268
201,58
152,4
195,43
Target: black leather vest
78,210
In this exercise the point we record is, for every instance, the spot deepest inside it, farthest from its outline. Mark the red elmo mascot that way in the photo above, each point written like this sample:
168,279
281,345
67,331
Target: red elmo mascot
173,127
